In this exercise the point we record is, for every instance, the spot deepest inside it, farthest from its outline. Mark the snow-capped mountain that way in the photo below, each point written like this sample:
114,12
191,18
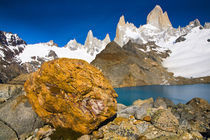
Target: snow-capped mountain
188,58
189,46
73,49
10,47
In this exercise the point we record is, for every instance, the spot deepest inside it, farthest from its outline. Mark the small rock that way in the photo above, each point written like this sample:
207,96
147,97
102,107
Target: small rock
142,138
140,114
164,102
98,134
84,137
120,107
129,110
140,102
44,132
165,120
208,40
147,118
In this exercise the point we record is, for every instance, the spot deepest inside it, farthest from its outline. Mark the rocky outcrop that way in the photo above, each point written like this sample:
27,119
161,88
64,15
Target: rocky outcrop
158,19
10,46
71,93
158,124
207,25
94,45
165,120
17,118
133,65
7,91
119,35
19,80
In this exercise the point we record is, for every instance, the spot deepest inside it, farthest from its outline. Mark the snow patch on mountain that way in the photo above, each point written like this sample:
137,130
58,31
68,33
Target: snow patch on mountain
73,49
190,58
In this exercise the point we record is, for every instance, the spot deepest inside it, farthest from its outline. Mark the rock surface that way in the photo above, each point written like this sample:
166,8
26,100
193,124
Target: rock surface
207,25
18,118
158,19
165,120
158,124
130,65
137,65
71,93
7,91
194,115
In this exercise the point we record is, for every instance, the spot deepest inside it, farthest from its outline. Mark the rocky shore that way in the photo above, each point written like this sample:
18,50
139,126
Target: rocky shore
144,119
69,99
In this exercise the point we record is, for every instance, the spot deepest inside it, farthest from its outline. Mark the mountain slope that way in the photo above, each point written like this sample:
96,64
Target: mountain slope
191,57
133,65
189,46
10,46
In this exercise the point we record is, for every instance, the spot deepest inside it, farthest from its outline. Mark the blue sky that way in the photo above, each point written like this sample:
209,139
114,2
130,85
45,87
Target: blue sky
61,20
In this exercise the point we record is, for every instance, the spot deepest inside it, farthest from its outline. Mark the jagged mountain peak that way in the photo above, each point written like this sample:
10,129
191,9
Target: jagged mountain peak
195,23
159,19
89,38
90,33
121,21
51,43
107,39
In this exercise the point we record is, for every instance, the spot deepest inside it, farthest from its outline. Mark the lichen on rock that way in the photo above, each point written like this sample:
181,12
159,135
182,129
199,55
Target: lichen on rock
71,93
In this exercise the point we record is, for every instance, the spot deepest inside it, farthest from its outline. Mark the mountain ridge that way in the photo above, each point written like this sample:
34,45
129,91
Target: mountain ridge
158,30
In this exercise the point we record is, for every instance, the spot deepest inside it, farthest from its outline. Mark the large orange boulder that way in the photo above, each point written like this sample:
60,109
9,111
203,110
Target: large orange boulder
71,93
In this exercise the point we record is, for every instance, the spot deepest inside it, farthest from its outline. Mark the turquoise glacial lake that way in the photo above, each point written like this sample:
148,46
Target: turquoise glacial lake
178,93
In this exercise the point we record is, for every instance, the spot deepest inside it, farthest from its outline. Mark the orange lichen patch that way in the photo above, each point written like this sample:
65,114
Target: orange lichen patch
119,120
71,93
138,122
147,118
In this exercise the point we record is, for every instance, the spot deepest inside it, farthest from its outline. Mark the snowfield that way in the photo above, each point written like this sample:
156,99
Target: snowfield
190,58
42,50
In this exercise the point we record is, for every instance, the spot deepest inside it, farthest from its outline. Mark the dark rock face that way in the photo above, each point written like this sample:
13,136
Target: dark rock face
180,39
132,65
52,54
8,71
10,46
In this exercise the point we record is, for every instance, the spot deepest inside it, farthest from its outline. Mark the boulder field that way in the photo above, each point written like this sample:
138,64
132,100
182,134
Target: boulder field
147,120
71,93
71,99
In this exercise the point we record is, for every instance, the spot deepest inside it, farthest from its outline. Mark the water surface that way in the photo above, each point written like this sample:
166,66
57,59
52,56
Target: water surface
178,94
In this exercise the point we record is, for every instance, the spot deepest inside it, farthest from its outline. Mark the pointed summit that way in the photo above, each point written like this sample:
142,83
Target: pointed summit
89,38
121,21
51,43
107,39
159,19
90,33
